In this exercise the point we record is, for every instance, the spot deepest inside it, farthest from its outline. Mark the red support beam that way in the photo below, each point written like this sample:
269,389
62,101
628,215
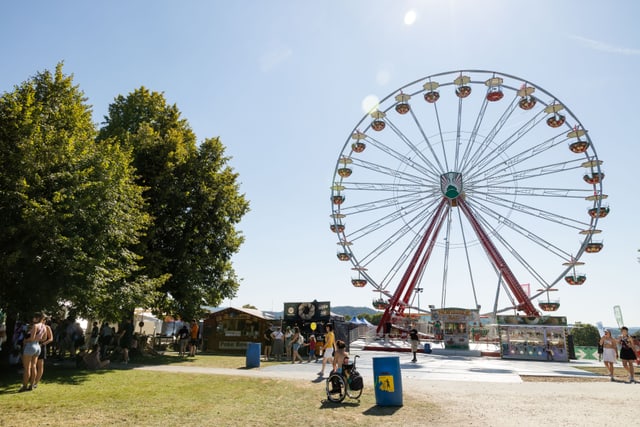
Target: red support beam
394,303
499,262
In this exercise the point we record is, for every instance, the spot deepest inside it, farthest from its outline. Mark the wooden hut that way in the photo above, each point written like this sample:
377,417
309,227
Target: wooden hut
230,330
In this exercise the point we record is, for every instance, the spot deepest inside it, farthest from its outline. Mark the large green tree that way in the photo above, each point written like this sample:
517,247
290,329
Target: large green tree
192,196
71,212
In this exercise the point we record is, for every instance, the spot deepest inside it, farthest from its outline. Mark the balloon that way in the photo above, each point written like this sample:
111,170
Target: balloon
313,326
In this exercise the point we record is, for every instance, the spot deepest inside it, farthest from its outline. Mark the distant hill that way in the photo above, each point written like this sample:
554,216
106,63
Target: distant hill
347,310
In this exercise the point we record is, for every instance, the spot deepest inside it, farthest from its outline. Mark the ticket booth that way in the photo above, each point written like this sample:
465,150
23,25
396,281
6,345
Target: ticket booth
453,325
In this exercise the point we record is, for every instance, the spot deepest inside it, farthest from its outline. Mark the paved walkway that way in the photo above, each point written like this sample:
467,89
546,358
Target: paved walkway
432,367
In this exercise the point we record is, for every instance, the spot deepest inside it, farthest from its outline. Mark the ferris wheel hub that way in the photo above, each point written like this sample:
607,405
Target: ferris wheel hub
451,184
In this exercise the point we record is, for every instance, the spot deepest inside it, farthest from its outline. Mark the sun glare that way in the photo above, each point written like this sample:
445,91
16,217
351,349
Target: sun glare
410,17
369,103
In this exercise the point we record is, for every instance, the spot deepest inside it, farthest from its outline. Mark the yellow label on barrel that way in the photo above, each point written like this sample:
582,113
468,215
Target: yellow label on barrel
386,383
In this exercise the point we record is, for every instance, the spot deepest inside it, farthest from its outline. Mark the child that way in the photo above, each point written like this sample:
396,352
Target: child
312,348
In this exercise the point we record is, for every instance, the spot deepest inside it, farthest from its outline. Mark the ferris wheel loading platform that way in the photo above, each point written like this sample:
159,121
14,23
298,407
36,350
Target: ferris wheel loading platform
437,347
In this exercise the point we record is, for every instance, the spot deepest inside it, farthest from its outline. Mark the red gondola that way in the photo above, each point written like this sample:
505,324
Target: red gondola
431,96
575,280
337,228
599,213
344,172
359,283
594,178
358,147
527,102
579,146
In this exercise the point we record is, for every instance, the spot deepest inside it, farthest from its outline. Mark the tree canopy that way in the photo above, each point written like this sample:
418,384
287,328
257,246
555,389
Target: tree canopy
134,214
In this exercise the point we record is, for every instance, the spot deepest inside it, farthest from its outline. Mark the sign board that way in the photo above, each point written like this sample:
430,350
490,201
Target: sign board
315,311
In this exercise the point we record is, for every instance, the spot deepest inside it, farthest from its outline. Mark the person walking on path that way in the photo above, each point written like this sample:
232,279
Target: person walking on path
329,341
414,340
627,352
295,345
609,351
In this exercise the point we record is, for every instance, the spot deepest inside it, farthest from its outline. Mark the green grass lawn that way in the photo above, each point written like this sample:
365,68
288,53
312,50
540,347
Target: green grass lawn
123,396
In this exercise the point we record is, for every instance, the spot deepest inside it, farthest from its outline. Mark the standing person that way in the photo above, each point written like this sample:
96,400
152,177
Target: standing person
278,343
414,339
627,352
609,351
312,348
329,341
30,352
95,334
194,338
48,339
126,336
268,341
106,338
288,335
295,345
183,339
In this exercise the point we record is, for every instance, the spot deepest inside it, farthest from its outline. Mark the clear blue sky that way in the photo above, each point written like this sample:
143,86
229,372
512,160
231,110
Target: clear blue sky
282,84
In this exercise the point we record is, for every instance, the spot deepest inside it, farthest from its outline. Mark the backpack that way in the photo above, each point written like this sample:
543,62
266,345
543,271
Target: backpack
355,381
300,339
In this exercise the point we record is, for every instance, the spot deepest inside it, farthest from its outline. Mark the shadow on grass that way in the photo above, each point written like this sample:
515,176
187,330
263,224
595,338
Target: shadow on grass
60,373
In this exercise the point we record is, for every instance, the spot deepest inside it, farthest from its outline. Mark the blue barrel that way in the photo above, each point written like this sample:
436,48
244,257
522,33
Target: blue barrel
427,348
253,355
387,380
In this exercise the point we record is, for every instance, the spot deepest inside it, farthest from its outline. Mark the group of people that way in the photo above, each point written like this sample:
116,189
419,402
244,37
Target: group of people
36,340
287,344
188,339
627,353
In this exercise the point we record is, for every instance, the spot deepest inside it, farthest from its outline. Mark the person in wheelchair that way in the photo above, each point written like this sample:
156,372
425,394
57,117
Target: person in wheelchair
340,358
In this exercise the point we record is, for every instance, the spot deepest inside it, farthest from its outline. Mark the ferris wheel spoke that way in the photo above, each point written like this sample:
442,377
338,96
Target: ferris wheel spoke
384,203
377,223
401,157
573,193
470,155
526,233
467,258
495,152
516,255
394,173
386,187
521,175
434,168
493,165
533,211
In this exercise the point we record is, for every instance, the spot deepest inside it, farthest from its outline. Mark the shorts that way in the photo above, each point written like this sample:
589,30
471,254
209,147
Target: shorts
43,352
296,346
328,353
194,342
32,348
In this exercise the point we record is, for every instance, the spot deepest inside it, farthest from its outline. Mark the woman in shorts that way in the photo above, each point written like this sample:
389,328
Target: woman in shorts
31,351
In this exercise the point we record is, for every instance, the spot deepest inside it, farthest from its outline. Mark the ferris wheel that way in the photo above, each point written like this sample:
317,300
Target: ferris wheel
476,188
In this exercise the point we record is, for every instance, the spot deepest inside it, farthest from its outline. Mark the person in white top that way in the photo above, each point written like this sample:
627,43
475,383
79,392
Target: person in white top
609,351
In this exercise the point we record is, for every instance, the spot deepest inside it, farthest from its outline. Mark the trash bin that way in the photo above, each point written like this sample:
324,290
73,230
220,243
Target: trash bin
387,381
253,355
427,348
